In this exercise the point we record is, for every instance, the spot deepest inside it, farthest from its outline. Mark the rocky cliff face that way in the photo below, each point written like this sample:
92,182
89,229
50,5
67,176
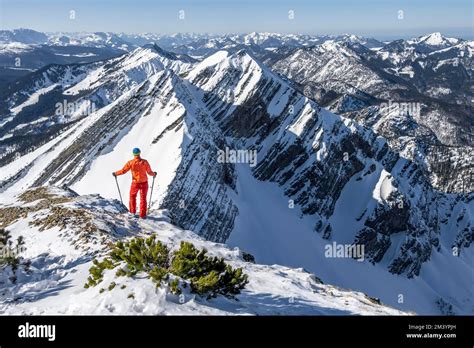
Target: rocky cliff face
392,91
313,155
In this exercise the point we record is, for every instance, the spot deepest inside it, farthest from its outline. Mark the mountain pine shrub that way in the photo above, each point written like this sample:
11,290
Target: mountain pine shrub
141,255
174,286
10,258
97,271
207,276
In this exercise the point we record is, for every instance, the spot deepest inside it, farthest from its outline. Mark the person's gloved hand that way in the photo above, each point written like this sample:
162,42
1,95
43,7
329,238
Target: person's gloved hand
113,174
154,173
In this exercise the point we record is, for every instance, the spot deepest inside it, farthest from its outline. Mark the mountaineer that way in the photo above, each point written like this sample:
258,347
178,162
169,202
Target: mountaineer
140,168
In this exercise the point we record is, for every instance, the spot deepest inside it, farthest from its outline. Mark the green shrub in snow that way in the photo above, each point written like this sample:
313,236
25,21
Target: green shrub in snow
10,259
207,276
141,255
97,270
175,286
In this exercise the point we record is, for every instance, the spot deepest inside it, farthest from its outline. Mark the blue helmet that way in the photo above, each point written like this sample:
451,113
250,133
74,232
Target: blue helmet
136,151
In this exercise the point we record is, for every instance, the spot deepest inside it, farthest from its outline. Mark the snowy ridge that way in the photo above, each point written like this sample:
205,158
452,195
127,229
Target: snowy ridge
130,70
373,86
334,66
60,259
435,39
79,90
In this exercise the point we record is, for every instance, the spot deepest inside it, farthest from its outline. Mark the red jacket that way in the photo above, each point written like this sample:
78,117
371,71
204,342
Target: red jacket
140,168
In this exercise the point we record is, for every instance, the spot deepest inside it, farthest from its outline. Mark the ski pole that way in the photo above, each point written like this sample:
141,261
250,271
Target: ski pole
151,193
118,188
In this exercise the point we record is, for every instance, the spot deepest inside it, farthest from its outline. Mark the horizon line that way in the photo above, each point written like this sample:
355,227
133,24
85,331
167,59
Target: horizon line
428,32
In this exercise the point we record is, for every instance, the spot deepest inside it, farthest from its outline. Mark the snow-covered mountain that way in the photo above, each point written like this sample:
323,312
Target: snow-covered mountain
337,67
311,178
373,76
25,50
63,48
63,232
435,41
52,99
376,90
437,66
25,36
97,39
399,51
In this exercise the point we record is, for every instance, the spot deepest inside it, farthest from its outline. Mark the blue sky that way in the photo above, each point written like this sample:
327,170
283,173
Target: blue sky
376,18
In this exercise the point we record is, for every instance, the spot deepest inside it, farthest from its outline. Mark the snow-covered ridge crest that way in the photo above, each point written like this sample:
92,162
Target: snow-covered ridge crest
133,68
63,232
435,39
67,93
